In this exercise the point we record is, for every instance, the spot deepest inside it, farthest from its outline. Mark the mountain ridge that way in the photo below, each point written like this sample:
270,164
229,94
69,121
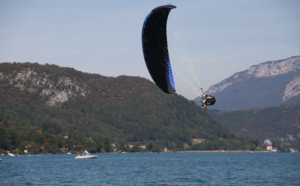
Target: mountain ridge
50,102
271,83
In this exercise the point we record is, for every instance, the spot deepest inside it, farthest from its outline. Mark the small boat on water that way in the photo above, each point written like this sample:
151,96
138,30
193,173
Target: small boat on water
11,154
85,155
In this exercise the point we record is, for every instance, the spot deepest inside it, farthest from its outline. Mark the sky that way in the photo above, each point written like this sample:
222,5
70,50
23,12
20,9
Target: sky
104,36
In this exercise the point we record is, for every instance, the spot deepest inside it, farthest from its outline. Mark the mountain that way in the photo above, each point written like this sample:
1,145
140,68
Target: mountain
44,108
267,84
280,125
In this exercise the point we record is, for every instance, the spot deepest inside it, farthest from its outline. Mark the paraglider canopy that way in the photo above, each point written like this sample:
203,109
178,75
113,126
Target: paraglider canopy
155,48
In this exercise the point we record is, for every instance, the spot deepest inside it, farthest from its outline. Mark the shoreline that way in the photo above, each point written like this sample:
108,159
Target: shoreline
218,151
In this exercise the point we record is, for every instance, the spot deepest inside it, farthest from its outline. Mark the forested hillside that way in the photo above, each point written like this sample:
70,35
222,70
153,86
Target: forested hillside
281,125
49,109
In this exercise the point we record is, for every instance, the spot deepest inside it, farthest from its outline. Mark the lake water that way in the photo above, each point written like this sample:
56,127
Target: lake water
153,169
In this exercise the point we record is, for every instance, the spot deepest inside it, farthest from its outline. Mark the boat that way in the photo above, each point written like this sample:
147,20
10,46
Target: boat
11,154
85,155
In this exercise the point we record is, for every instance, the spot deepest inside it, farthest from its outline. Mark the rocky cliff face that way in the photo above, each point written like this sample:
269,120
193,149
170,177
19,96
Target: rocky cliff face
292,89
274,68
53,90
267,84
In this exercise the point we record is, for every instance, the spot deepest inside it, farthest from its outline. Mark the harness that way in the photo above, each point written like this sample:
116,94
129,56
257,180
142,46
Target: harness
210,100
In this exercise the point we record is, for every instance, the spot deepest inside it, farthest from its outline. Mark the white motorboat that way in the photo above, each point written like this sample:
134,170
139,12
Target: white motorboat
11,154
85,155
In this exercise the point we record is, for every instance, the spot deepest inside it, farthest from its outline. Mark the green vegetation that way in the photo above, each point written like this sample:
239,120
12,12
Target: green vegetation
114,114
278,124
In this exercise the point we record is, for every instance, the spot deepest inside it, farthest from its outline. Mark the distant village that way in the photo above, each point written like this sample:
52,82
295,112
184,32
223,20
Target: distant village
267,143
270,148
